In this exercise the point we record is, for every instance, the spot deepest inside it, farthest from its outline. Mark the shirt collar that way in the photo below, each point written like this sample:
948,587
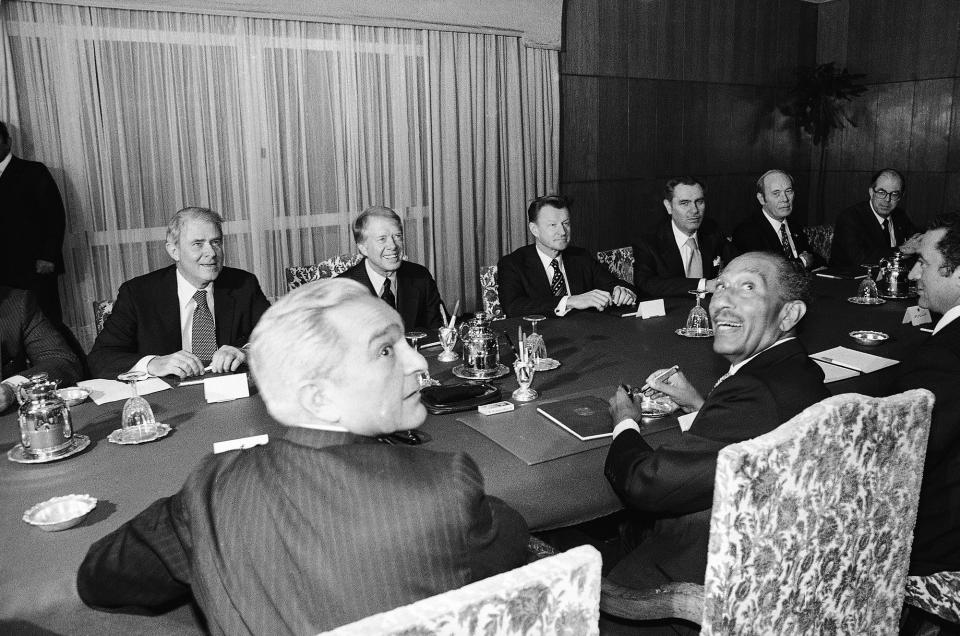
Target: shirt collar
5,162
736,367
186,290
546,259
376,279
775,223
680,236
951,314
879,218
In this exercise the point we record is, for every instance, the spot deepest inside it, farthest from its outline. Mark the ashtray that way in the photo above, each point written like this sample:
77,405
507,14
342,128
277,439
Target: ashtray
119,436
857,300
73,395
60,513
869,338
659,406
695,333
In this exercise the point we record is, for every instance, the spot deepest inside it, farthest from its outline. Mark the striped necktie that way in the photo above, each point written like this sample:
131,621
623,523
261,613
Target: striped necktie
557,284
203,337
785,240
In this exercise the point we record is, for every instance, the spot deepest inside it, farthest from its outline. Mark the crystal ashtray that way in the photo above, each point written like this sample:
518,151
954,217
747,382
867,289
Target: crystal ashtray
60,513
869,338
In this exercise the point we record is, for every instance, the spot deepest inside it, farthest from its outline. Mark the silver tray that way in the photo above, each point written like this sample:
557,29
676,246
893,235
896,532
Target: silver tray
465,372
19,455
116,437
694,333
856,300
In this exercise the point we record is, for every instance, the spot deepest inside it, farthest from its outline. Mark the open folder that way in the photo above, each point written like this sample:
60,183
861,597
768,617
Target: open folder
840,363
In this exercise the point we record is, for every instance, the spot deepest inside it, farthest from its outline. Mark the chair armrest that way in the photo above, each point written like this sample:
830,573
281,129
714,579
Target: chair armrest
672,600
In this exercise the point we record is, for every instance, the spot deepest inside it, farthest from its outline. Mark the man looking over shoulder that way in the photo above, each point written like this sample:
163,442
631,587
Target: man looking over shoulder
768,229
323,525
759,300
407,287
175,320
935,366
684,252
872,229
551,276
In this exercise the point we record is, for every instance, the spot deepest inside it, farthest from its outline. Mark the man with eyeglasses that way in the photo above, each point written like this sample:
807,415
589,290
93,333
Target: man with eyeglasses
872,229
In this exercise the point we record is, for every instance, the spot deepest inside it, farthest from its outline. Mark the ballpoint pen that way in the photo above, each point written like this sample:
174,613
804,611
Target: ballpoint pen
663,376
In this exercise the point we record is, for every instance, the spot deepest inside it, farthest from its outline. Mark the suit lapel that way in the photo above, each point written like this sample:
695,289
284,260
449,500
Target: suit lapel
669,251
365,279
224,304
167,309
539,280
408,299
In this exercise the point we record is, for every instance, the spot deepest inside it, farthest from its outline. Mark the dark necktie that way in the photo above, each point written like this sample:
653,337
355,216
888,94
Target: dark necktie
557,285
203,338
886,233
387,295
785,240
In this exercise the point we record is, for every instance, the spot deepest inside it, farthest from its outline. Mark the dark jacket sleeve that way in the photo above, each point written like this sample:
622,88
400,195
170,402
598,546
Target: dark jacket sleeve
514,297
50,217
847,248
250,315
652,279
431,308
44,348
115,349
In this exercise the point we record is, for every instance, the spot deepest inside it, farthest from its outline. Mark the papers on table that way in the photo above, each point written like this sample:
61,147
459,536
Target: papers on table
240,444
226,387
648,309
840,363
917,316
103,391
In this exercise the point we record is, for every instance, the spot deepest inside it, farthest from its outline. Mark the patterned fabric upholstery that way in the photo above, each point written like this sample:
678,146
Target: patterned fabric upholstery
938,594
812,523
491,293
328,268
555,595
619,262
820,238
101,310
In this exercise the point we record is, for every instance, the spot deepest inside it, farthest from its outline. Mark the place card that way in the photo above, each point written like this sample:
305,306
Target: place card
648,309
917,316
226,388
240,443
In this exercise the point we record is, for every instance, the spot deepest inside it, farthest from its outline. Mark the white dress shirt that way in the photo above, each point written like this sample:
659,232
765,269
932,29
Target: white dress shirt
5,163
377,280
951,314
561,308
880,220
681,239
775,224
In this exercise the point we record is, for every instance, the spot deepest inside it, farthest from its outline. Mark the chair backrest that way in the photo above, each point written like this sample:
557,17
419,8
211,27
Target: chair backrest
619,261
555,595
101,311
820,238
328,268
490,291
812,523
937,594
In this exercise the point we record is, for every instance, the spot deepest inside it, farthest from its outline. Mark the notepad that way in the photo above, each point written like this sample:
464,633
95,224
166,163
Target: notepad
583,417
851,362
103,391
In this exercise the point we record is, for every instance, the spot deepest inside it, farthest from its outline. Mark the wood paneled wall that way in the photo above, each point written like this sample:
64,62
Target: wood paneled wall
655,89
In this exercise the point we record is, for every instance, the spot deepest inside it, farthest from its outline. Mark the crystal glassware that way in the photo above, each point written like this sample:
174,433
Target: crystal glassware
448,340
425,380
538,347
137,421
867,289
413,337
698,320
524,370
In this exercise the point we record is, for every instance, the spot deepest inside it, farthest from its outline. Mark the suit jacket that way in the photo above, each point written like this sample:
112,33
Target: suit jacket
29,343
418,299
312,531
674,483
33,222
658,265
525,288
757,235
146,318
935,366
859,239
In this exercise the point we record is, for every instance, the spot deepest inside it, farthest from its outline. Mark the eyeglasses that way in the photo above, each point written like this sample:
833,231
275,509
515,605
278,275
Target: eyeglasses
889,196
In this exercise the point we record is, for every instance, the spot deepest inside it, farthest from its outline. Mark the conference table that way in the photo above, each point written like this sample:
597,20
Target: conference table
597,351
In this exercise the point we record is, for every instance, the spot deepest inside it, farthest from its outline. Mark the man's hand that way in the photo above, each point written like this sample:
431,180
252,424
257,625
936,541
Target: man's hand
595,299
227,359
677,387
181,364
623,407
44,267
623,296
8,396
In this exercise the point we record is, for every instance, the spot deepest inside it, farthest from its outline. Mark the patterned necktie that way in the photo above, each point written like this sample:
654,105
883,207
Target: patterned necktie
203,337
557,285
721,379
785,240
695,263
387,295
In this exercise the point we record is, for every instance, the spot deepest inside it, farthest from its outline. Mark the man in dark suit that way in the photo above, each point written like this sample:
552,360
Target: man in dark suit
323,526
935,366
768,229
685,252
407,287
759,300
31,251
872,229
30,344
552,277
168,323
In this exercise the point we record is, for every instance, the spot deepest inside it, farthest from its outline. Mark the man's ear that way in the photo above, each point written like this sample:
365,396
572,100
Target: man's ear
790,315
533,229
760,198
314,398
666,205
173,251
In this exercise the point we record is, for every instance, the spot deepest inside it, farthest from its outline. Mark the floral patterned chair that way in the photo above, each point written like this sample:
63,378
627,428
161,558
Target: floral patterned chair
556,595
820,238
811,526
619,262
101,311
491,293
938,594
328,268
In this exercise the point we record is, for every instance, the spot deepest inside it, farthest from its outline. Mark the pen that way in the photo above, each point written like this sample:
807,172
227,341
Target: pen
837,363
663,376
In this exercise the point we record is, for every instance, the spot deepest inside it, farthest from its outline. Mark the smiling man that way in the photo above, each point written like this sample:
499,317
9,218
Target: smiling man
686,250
935,366
323,525
551,276
407,287
759,300
177,320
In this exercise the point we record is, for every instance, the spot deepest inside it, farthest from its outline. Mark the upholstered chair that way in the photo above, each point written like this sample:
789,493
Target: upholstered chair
328,268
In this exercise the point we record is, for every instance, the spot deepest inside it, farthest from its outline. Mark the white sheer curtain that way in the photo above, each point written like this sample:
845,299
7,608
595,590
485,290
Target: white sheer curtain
288,129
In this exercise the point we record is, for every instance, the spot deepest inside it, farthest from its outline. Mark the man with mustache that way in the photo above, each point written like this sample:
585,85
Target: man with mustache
407,287
768,229
551,276
935,366
176,320
872,229
684,252
759,300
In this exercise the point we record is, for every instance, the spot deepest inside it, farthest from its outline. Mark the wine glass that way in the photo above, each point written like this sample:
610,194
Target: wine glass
425,380
538,348
698,320
414,337
533,320
524,370
137,421
867,289
448,339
